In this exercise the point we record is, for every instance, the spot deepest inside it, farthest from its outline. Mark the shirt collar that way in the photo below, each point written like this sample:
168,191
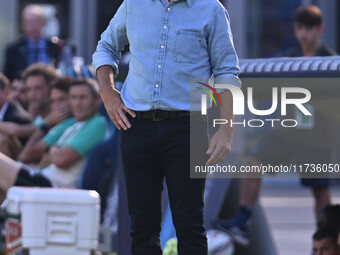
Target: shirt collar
189,2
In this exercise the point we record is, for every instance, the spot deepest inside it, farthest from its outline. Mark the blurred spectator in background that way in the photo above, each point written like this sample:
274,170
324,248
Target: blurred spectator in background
18,92
325,242
37,79
9,112
68,144
311,142
32,47
60,110
308,29
316,136
329,216
70,141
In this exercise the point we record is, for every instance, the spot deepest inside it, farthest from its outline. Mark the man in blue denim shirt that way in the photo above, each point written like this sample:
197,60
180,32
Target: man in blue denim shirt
170,42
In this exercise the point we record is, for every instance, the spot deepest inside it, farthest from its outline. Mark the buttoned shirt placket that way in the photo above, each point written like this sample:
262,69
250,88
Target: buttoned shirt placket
161,56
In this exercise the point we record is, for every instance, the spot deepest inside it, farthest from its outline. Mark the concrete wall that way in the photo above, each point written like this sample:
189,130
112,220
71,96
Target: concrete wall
8,25
328,7
238,22
84,27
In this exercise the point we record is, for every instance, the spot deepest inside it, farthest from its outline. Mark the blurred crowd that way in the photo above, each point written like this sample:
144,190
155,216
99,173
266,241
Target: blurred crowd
50,123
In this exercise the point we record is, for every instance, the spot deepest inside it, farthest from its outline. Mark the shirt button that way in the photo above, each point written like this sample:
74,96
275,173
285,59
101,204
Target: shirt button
169,9
165,27
159,66
156,85
162,46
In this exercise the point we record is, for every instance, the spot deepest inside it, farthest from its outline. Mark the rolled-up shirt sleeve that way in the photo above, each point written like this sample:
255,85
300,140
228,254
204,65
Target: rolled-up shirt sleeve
224,60
112,42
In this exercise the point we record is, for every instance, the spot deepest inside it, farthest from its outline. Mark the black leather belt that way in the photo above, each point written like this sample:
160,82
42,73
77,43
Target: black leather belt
158,115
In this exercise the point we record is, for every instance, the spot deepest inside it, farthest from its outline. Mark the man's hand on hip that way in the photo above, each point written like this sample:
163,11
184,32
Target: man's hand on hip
116,109
111,97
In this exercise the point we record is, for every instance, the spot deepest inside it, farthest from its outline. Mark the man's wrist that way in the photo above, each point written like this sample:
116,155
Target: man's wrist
44,127
227,131
47,149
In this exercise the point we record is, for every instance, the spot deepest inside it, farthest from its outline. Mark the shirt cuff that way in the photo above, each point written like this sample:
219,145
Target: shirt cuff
106,62
226,80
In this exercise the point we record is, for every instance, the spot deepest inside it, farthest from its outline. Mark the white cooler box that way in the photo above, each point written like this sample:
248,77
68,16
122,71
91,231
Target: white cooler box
56,221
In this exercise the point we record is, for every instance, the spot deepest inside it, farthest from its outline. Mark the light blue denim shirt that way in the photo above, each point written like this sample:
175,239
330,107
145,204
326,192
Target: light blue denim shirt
170,43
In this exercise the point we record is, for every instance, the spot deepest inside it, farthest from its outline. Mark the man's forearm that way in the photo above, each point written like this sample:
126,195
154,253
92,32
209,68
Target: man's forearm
227,112
8,128
34,148
105,76
14,129
63,157
111,97
220,143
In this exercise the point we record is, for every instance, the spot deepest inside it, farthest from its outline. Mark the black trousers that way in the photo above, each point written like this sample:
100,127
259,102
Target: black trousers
152,151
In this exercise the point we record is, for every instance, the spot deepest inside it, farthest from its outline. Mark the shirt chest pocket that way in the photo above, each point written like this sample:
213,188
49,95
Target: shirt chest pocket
189,46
